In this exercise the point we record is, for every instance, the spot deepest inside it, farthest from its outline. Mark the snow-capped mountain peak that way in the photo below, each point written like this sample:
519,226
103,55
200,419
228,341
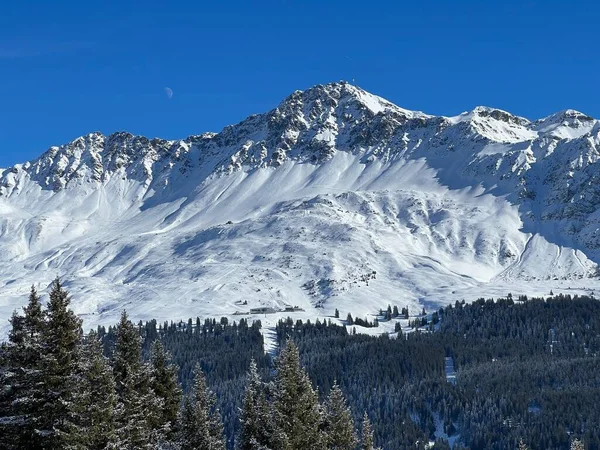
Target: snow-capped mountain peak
496,124
567,124
336,198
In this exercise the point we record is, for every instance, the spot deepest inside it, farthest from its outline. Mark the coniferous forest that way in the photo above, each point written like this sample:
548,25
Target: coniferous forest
504,374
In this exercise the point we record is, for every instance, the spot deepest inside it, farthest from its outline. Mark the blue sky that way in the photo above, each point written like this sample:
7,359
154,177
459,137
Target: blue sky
71,67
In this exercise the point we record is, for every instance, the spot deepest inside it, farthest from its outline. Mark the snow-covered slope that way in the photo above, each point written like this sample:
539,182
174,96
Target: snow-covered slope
335,199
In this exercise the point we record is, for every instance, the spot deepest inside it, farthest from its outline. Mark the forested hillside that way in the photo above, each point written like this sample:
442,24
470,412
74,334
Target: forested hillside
487,375
525,369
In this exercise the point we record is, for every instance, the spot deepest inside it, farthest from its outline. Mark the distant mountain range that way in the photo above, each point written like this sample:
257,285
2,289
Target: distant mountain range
337,198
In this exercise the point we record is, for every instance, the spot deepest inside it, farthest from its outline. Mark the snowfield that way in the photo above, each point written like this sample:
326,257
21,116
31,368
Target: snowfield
335,199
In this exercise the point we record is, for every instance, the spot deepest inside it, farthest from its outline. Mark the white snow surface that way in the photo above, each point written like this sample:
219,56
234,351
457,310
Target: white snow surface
335,199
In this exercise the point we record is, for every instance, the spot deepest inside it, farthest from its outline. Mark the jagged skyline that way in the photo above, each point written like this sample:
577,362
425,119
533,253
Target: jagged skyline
72,68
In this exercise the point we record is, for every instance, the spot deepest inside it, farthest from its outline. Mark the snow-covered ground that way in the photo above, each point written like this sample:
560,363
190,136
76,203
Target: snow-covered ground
336,199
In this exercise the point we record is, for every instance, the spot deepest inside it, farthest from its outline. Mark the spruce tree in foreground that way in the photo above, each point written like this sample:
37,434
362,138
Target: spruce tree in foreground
98,398
257,427
200,426
20,359
297,411
138,407
163,381
339,424
60,383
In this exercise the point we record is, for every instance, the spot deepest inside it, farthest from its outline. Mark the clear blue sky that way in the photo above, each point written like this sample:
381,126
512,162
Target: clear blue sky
71,67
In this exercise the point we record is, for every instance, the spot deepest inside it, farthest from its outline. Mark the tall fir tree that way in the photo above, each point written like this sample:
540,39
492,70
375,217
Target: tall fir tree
298,414
17,333
163,381
20,358
127,356
60,382
367,441
257,425
138,407
200,426
97,399
33,324
339,424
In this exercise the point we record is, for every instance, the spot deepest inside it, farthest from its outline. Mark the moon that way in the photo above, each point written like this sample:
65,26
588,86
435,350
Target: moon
169,92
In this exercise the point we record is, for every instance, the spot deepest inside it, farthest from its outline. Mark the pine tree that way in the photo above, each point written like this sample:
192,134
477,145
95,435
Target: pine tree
257,427
33,322
339,425
200,426
127,356
60,383
367,434
577,445
98,399
134,413
17,333
298,414
138,407
20,359
163,381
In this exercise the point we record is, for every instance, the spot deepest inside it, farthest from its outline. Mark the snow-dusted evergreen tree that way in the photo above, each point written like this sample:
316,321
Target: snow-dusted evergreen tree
339,424
298,415
163,381
60,381
522,445
20,359
138,407
33,323
127,356
367,442
257,425
577,445
200,426
97,399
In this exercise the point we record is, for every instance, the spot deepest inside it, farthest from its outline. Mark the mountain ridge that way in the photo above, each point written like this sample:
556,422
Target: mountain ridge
336,183
118,148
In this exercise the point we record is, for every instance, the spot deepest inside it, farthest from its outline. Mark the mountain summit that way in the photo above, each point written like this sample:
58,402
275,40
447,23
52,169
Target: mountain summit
337,198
